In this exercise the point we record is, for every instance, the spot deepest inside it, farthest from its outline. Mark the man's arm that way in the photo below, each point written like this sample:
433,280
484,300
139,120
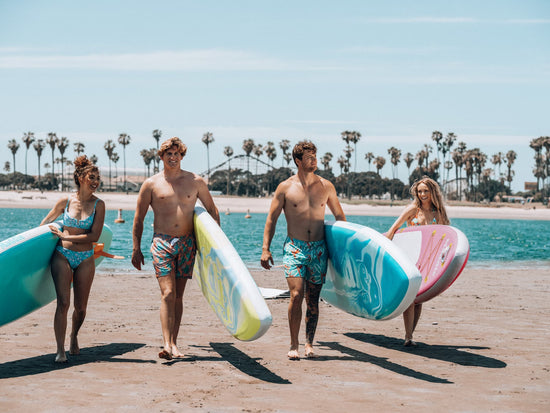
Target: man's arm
143,202
275,209
206,198
333,202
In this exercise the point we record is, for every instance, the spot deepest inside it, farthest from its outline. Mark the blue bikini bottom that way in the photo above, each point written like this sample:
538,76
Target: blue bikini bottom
74,258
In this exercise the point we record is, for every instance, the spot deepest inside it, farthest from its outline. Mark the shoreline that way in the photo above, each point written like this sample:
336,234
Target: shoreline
482,347
114,201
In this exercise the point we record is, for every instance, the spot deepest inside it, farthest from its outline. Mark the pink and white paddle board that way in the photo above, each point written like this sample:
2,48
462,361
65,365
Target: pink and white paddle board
440,253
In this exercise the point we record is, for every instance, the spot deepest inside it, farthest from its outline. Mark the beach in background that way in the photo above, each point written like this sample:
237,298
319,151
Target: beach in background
116,200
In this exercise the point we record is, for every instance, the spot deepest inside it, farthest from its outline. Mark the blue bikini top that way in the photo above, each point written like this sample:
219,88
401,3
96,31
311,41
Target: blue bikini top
415,221
69,221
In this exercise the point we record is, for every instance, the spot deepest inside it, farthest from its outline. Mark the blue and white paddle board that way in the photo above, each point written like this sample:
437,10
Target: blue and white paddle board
226,283
368,276
25,278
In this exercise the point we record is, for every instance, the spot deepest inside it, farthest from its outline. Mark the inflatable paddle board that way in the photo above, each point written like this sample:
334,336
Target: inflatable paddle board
226,283
25,279
440,253
368,276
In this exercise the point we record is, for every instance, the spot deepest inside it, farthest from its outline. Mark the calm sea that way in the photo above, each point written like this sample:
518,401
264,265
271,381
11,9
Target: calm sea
493,243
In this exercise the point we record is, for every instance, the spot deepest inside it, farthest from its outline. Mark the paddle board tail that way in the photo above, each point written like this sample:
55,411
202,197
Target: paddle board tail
367,275
25,277
439,251
226,283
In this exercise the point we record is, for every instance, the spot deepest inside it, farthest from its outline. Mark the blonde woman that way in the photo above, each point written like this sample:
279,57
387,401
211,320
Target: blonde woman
83,215
427,208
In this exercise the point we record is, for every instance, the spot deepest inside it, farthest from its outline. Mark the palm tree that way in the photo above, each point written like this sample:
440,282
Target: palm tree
427,150
248,147
93,159
228,151
7,166
369,156
287,157
497,160
459,160
62,144
39,146
157,133
420,156
115,158
352,137
148,156
344,164
124,140
258,151
207,139
395,158
537,144
437,137
379,163
79,148
284,145
409,159
52,141
446,146
28,139
270,152
327,157
13,147
109,148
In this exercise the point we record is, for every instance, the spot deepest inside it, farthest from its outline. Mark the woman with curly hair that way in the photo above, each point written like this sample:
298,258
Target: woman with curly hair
83,216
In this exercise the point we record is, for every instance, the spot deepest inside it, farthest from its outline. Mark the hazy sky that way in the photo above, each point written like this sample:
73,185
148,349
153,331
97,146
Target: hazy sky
270,70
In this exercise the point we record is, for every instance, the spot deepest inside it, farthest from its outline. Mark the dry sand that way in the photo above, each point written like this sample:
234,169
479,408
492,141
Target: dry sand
113,201
483,347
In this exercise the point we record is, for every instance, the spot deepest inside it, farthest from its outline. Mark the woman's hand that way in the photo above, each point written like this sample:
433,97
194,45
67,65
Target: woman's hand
55,231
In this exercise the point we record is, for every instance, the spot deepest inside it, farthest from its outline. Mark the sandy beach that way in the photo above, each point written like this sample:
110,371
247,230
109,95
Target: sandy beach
483,347
113,201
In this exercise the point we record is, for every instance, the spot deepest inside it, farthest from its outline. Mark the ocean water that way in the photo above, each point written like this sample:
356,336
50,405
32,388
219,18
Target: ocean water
494,243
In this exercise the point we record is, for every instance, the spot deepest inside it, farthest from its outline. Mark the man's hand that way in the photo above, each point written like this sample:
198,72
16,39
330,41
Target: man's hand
266,259
137,259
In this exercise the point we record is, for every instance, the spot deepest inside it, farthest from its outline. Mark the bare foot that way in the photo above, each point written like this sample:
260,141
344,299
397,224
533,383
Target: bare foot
61,358
293,355
165,354
310,354
176,353
74,349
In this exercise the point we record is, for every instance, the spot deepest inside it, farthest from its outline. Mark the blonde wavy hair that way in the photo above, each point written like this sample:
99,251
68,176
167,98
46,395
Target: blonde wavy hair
436,197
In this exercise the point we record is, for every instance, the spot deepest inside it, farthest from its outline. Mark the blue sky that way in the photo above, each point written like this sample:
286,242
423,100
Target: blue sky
395,71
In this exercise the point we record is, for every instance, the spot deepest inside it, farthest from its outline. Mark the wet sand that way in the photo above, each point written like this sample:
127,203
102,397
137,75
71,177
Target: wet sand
483,347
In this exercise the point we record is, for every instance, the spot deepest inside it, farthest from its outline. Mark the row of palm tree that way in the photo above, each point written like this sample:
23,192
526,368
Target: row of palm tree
448,156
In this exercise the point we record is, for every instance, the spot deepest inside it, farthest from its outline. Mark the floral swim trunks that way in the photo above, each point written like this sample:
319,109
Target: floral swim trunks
173,255
307,260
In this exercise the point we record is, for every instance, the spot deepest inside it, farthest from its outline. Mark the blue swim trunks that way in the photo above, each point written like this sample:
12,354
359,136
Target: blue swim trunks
307,260
173,255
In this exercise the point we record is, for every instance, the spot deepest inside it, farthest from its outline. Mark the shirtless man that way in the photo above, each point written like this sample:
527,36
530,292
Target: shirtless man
303,198
172,194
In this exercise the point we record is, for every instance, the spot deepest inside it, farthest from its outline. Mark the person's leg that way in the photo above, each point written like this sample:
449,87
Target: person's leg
408,319
417,312
82,284
313,291
62,275
296,288
167,286
178,312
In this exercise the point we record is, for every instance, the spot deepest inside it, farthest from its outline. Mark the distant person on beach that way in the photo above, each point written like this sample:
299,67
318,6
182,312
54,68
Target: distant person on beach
172,194
72,261
303,198
427,208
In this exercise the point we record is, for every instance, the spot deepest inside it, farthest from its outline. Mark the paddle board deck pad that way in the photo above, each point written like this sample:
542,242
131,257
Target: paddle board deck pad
226,283
440,253
368,276
25,278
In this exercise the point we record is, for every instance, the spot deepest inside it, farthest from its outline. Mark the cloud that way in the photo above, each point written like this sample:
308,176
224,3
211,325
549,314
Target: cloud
192,60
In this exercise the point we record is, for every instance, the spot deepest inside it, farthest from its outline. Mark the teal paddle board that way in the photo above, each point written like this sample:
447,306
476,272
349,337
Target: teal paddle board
226,283
25,278
368,276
